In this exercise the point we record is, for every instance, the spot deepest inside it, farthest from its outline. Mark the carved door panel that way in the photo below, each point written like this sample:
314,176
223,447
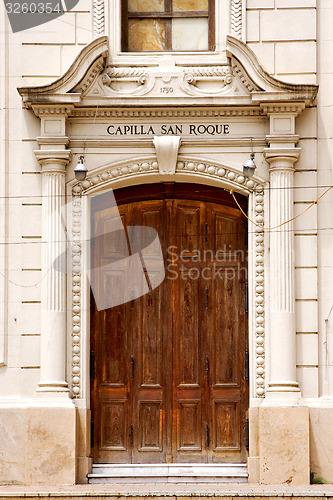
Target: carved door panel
150,350
169,383
189,378
225,324
111,343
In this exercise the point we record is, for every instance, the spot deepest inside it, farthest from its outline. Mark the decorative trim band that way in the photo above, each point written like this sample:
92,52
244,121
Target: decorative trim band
295,109
166,112
99,18
76,364
259,292
236,18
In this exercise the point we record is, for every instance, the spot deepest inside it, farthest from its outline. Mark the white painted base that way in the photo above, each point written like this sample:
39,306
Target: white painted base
171,473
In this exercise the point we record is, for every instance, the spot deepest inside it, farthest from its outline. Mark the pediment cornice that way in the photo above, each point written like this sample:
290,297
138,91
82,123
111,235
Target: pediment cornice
90,61
93,81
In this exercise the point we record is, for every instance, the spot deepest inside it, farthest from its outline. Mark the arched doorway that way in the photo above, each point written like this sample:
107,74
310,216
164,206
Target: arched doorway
170,377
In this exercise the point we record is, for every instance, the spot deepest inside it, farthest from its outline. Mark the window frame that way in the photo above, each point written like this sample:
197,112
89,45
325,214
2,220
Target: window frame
168,14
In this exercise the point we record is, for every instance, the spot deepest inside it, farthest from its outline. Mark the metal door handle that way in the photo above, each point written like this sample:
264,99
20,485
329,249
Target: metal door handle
132,366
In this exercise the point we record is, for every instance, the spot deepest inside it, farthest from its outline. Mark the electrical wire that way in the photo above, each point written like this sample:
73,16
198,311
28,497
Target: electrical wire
25,286
282,223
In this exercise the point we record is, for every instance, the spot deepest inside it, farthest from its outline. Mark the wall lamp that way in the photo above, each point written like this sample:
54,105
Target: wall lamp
249,166
80,170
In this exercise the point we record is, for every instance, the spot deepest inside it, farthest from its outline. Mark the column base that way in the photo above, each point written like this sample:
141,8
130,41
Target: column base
283,386
283,394
53,390
53,386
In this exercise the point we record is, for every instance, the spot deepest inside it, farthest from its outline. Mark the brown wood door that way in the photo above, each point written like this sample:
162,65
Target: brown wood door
169,382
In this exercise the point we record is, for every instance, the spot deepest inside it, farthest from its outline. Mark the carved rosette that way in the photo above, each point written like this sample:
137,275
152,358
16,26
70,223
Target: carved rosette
204,169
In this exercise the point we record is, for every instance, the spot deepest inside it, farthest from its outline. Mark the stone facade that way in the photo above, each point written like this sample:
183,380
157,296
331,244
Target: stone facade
74,82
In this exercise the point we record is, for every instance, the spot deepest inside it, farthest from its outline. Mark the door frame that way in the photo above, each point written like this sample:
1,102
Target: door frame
181,193
78,296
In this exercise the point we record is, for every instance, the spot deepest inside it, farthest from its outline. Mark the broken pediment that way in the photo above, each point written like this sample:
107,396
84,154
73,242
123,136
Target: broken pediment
92,79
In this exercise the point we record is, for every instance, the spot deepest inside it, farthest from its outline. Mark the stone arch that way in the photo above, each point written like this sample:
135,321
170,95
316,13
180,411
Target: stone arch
145,171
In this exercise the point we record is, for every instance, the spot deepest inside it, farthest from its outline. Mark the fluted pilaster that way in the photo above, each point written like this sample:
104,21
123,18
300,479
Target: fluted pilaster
53,319
282,273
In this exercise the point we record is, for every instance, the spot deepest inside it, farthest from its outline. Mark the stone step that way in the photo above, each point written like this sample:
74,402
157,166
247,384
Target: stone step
175,473
169,491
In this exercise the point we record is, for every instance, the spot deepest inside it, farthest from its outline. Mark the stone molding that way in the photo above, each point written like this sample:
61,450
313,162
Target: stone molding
99,18
55,159
241,82
74,75
95,70
240,72
147,169
281,158
165,112
282,139
63,110
236,18
273,88
52,141
291,109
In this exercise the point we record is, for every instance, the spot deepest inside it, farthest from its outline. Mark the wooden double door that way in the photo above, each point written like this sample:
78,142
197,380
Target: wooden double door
169,380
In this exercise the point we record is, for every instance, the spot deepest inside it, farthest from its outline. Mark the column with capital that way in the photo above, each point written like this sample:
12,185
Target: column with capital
282,274
53,414
283,418
53,314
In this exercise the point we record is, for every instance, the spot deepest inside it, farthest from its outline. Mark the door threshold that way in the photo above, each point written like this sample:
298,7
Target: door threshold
172,473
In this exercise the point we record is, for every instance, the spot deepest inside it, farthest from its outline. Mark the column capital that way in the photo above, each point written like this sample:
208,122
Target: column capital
53,160
281,158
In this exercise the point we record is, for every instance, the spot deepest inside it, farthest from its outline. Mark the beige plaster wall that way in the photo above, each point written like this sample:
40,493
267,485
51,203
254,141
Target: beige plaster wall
283,35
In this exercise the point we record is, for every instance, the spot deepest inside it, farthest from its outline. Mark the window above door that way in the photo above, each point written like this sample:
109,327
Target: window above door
191,32
168,25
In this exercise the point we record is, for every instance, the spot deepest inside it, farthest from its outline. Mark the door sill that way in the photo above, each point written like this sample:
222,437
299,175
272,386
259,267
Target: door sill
171,473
